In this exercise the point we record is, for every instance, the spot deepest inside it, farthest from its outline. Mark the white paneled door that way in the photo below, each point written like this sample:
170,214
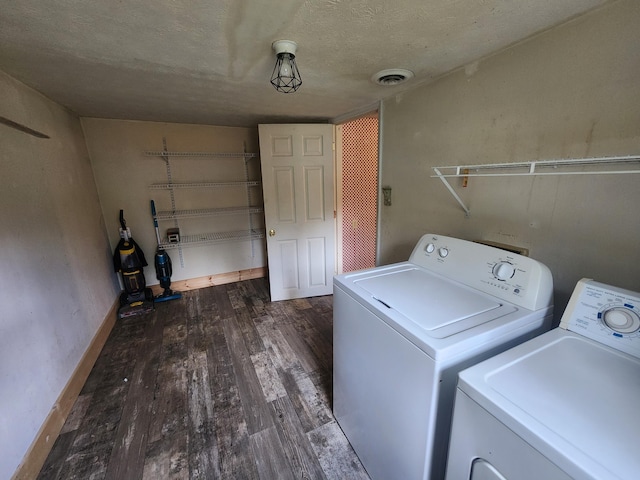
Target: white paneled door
298,186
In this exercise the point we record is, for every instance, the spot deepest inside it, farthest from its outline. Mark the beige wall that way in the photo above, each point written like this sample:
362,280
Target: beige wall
123,175
56,282
573,91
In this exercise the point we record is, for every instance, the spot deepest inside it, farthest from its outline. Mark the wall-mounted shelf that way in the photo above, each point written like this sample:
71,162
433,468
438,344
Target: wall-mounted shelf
207,212
629,164
245,210
171,186
200,154
213,238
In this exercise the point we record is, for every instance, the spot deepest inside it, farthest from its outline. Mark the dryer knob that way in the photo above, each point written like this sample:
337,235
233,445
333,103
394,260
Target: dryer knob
443,252
503,270
429,248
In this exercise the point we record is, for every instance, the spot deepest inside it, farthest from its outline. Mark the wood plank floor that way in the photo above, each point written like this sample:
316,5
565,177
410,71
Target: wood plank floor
220,384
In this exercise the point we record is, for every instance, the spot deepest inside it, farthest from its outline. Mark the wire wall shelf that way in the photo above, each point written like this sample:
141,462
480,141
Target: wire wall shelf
207,212
171,186
201,154
589,166
249,227
615,165
213,238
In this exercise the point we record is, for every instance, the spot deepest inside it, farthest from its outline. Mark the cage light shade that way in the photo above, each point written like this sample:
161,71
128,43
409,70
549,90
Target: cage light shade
285,77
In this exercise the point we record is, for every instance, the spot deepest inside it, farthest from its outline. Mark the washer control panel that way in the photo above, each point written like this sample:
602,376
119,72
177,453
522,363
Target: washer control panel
605,313
515,278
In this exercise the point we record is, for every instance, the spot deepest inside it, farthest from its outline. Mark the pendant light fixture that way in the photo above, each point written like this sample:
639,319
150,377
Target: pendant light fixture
285,77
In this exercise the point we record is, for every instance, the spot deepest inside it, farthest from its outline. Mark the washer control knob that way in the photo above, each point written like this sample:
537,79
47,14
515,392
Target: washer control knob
429,248
443,251
503,270
621,319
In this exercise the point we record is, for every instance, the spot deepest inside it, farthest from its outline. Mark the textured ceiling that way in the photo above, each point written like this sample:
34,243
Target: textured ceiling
209,62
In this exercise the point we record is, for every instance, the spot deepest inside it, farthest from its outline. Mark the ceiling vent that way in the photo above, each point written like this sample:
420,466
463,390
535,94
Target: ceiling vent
391,77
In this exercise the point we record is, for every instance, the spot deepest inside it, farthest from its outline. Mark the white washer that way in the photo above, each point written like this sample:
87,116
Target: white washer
403,332
563,405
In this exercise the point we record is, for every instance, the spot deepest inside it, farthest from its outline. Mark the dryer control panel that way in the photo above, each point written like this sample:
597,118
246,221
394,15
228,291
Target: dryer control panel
517,279
605,313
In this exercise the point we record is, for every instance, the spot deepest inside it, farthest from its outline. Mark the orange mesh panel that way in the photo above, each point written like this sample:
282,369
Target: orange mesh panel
359,193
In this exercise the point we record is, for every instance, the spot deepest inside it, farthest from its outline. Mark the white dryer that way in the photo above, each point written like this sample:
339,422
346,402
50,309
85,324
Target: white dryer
402,333
563,405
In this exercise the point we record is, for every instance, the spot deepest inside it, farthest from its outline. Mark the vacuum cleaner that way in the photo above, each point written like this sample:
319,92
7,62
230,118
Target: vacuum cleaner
129,260
163,266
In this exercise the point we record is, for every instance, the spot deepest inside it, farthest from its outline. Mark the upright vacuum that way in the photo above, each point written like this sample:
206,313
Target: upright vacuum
129,260
162,262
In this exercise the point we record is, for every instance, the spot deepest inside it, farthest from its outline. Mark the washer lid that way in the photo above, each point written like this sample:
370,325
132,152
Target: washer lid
437,305
577,396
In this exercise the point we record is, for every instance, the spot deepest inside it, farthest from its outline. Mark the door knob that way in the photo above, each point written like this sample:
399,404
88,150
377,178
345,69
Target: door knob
272,232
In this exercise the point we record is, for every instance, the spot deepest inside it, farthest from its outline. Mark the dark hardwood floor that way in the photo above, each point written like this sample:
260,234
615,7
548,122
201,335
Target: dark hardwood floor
220,384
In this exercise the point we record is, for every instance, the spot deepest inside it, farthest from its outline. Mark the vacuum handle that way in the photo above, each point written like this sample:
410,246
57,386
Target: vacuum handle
155,222
153,212
123,224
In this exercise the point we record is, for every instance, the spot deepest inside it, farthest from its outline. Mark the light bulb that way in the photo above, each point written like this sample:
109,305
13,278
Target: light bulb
285,69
